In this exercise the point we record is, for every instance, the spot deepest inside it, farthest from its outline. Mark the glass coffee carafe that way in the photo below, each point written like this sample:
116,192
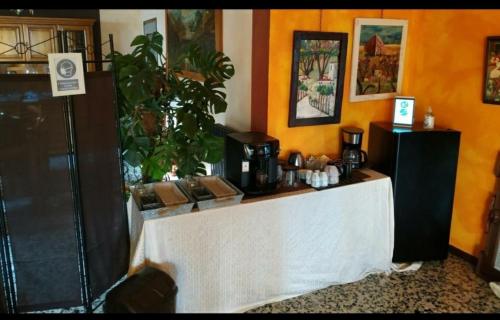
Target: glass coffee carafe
350,157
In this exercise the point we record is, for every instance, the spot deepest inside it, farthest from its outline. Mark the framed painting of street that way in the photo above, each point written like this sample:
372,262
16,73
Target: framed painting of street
317,78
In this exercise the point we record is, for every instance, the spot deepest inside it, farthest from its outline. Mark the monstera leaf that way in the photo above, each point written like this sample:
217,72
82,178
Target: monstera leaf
211,65
148,48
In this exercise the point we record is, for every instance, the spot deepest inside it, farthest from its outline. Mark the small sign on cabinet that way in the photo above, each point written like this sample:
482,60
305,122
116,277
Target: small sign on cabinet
66,74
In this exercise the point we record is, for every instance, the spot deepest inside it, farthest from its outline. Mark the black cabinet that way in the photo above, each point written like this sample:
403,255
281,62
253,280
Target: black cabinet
422,165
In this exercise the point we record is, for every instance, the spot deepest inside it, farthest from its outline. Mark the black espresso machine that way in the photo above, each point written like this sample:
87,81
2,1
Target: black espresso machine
252,161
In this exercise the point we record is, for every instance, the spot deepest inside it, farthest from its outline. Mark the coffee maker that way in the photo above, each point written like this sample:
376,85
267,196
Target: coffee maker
252,161
352,138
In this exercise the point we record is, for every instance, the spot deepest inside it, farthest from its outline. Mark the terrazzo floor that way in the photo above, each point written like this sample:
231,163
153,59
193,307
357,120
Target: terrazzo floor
450,286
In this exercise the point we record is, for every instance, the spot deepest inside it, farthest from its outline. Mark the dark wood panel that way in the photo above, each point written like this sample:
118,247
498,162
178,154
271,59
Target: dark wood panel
101,184
260,69
37,193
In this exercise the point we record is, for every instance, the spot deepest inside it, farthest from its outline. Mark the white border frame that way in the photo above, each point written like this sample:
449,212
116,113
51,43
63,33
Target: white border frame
395,124
355,55
76,58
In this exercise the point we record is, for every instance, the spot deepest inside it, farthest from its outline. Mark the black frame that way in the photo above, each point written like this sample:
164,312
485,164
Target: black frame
489,40
298,36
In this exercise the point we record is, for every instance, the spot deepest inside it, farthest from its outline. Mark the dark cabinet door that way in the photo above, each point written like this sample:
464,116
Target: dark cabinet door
424,186
422,165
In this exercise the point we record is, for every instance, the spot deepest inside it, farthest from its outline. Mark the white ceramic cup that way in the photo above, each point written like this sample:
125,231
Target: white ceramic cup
333,174
309,174
333,180
324,179
315,180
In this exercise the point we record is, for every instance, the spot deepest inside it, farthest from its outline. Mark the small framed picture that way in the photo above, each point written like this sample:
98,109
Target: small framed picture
491,93
317,80
403,111
149,27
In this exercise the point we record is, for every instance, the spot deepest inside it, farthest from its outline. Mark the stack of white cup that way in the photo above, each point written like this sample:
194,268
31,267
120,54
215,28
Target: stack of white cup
333,174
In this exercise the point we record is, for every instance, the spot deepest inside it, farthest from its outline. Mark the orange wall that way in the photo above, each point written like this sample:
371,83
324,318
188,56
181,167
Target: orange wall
448,75
443,68
323,139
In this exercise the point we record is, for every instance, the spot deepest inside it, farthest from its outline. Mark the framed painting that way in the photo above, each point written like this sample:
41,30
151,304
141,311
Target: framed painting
317,83
377,58
194,26
491,93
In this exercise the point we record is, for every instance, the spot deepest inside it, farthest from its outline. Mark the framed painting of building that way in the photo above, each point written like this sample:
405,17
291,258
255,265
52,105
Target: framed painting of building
192,26
317,83
491,93
377,58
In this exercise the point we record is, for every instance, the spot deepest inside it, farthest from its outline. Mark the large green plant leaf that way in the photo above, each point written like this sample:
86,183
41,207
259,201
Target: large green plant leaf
214,147
136,84
147,48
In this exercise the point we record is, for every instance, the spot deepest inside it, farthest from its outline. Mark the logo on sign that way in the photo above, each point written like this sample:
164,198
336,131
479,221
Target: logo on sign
403,111
66,68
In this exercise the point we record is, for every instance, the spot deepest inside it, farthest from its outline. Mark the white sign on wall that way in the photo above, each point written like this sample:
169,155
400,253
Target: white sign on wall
66,74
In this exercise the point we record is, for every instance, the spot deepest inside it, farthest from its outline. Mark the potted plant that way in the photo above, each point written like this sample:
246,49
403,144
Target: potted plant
167,119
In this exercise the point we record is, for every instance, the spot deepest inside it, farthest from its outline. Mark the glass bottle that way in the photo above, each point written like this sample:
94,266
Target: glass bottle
429,119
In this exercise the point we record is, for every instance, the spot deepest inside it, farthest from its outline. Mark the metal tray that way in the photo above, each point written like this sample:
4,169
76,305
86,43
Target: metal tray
215,202
163,211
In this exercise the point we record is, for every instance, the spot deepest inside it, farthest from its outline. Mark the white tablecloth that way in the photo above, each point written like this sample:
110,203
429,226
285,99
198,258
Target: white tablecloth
234,258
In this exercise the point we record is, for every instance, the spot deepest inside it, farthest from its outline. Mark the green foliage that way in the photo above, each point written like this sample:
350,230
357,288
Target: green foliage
324,90
167,119
303,87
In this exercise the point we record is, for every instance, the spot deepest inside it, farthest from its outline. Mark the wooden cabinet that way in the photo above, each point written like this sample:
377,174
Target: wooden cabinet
10,36
41,40
28,39
79,38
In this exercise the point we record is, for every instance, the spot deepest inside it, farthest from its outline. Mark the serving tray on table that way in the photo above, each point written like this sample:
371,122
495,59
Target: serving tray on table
222,192
170,200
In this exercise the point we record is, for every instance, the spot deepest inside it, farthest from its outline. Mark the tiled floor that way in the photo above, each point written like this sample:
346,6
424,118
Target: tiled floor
450,286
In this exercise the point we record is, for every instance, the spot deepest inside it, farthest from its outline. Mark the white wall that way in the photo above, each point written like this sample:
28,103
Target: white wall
237,45
236,42
123,24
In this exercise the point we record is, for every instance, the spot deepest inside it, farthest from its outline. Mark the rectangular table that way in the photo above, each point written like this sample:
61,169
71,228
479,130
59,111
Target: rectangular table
234,258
